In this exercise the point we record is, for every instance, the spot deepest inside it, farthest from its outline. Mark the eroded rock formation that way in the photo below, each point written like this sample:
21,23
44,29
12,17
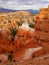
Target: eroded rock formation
42,27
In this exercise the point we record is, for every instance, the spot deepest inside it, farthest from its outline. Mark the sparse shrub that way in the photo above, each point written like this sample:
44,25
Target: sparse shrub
10,56
31,25
13,33
19,23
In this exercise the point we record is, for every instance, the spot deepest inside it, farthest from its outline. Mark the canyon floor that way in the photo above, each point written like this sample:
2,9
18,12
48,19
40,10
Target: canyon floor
43,60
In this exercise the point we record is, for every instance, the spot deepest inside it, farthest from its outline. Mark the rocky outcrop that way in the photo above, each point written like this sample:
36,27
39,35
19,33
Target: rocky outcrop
41,35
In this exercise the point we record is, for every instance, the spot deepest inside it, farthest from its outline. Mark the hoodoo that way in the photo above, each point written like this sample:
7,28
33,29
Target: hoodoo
41,34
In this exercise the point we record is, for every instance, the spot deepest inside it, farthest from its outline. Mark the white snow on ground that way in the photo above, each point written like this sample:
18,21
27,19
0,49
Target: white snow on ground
30,51
26,27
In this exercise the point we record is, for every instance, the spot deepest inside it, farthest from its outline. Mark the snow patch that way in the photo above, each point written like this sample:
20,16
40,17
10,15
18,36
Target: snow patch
26,27
30,51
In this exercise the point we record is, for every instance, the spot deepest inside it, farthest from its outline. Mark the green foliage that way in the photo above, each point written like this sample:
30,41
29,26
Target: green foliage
13,33
10,56
31,25
19,23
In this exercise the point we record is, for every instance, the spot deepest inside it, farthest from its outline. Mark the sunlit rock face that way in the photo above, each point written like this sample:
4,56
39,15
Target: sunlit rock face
41,34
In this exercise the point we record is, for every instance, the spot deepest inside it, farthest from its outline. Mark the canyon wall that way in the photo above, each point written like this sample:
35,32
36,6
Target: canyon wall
41,35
